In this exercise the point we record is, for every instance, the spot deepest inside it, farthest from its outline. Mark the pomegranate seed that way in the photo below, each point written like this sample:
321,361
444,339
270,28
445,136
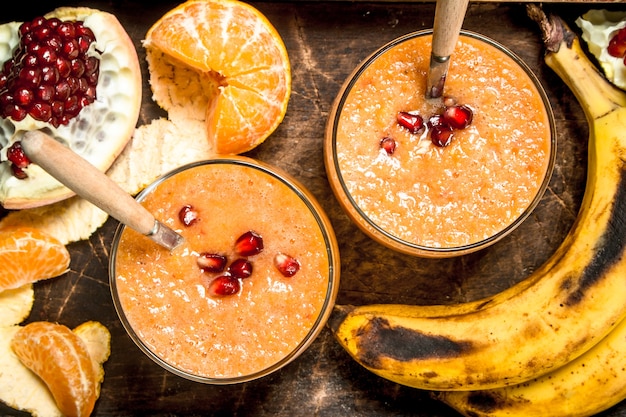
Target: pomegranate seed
41,33
224,285
29,60
45,93
91,65
49,75
46,56
41,111
54,42
211,262
66,30
31,77
413,122
62,90
84,30
441,135
71,106
18,172
435,120
457,116
15,112
188,215
83,44
617,44
57,108
388,144
70,49
240,268
15,154
249,244
23,97
63,67
78,68
287,265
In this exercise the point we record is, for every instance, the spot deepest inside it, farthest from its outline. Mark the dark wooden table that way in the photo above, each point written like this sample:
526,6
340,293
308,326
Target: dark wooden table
325,42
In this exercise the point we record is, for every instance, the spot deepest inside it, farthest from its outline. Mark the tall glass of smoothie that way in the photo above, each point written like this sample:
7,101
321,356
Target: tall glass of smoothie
447,176
250,288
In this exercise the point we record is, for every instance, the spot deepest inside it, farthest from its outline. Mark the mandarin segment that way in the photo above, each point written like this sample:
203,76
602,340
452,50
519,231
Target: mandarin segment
20,388
61,359
240,57
28,255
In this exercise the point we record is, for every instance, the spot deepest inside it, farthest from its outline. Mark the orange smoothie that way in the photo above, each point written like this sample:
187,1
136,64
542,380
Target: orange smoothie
441,196
165,296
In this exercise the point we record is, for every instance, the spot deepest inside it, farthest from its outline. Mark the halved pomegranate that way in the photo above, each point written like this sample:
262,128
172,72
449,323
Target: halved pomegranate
75,74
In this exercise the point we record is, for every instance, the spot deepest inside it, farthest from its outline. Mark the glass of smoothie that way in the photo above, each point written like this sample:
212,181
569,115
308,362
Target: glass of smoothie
447,176
251,286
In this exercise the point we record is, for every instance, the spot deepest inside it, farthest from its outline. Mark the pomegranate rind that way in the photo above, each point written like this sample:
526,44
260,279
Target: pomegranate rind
101,130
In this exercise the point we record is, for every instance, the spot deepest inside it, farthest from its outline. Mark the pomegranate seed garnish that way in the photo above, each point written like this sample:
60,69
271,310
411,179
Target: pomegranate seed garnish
435,120
441,135
413,122
287,265
240,268
188,215
388,144
457,116
16,155
211,262
249,244
224,285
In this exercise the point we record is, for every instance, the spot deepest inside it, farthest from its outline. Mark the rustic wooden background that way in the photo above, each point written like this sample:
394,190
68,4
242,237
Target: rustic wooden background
326,40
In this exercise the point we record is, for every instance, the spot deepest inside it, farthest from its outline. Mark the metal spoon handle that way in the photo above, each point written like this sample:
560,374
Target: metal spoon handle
85,180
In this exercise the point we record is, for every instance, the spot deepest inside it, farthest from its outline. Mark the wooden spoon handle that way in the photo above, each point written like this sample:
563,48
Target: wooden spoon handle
87,181
449,15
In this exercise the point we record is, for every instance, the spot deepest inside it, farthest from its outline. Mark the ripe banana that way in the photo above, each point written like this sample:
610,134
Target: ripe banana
589,384
558,313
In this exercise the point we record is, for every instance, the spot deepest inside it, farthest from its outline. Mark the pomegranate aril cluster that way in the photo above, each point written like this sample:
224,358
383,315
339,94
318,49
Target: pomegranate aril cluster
229,276
441,126
51,76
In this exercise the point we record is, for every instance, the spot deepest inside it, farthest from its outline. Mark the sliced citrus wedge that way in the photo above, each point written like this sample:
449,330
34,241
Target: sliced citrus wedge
61,359
28,255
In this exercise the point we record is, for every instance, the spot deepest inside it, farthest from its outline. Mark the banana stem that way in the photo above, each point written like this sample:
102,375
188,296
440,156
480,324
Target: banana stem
566,57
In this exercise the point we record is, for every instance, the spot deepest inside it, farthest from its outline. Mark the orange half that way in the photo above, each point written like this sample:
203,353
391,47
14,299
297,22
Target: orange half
241,58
